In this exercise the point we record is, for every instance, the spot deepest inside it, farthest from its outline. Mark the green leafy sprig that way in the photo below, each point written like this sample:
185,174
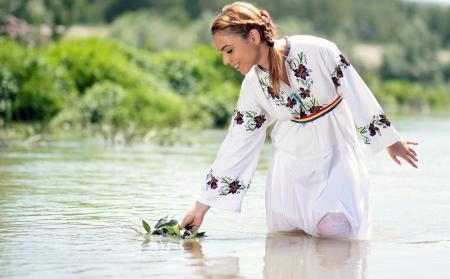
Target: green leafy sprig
169,227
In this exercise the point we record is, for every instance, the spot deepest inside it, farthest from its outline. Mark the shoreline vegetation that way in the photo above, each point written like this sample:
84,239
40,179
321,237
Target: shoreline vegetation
111,74
98,86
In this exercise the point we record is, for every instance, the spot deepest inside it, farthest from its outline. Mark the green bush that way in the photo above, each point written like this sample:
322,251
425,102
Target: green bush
209,87
150,109
194,72
88,61
417,97
99,103
29,88
214,108
117,87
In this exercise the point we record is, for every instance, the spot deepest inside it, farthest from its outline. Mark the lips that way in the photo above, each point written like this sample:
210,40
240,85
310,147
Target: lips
236,66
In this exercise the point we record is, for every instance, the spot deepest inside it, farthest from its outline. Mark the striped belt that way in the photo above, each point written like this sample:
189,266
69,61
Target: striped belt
321,112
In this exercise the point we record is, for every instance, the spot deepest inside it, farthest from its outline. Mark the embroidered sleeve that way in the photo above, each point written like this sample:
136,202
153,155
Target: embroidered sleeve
231,173
372,125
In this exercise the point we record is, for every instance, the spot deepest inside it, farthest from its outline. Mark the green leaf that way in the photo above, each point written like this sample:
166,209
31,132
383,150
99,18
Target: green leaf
172,223
174,230
164,222
160,222
147,227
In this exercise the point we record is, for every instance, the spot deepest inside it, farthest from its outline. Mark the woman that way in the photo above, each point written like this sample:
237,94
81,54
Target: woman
317,180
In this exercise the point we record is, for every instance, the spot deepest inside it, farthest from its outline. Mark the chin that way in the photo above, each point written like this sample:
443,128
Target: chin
244,71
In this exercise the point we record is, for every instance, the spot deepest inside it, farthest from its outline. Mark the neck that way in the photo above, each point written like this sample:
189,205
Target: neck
280,46
264,57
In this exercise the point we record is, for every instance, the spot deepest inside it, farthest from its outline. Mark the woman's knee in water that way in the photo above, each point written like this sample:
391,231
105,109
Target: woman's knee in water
334,225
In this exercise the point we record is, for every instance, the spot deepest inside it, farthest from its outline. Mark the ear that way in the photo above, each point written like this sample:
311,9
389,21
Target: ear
254,37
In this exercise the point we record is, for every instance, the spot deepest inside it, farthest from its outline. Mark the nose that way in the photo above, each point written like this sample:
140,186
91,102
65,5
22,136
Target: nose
226,60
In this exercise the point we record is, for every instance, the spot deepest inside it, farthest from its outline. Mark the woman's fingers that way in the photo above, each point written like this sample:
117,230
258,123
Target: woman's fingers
412,151
186,221
190,222
410,161
410,158
194,228
393,157
411,155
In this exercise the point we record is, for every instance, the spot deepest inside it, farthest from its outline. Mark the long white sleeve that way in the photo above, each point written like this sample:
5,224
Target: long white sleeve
373,126
232,171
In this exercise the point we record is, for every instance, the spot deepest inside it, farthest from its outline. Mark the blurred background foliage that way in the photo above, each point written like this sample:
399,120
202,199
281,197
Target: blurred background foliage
123,68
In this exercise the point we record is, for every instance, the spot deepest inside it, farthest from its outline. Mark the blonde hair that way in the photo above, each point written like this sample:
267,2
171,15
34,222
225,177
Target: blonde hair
241,17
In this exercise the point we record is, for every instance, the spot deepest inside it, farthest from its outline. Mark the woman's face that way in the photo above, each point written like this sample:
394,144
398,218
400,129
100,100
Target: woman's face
238,52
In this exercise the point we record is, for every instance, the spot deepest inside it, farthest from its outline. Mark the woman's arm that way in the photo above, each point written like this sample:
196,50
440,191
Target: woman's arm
231,173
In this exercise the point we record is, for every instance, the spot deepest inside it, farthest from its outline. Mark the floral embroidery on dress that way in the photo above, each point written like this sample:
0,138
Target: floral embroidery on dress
372,129
252,119
344,60
301,72
291,102
269,92
301,103
228,184
305,93
212,183
239,118
338,74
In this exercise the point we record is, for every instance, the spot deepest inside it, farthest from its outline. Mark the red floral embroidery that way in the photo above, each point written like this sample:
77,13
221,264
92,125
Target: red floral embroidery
291,102
372,129
252,119
213,182
304,93
301,72
228,185
315,109
259,120
239,118
234,187
338,74
344,60
384,120
298,66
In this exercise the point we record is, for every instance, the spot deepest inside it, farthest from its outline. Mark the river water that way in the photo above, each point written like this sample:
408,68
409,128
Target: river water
73,209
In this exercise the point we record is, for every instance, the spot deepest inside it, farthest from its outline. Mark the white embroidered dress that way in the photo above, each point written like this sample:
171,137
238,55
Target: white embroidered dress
317,167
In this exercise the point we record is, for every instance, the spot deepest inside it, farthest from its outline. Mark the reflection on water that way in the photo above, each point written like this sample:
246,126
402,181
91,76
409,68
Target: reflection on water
294,256
212,267
71,209
290,255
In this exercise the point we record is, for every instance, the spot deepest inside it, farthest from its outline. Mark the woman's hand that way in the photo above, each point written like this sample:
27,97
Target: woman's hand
194,218
401,149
